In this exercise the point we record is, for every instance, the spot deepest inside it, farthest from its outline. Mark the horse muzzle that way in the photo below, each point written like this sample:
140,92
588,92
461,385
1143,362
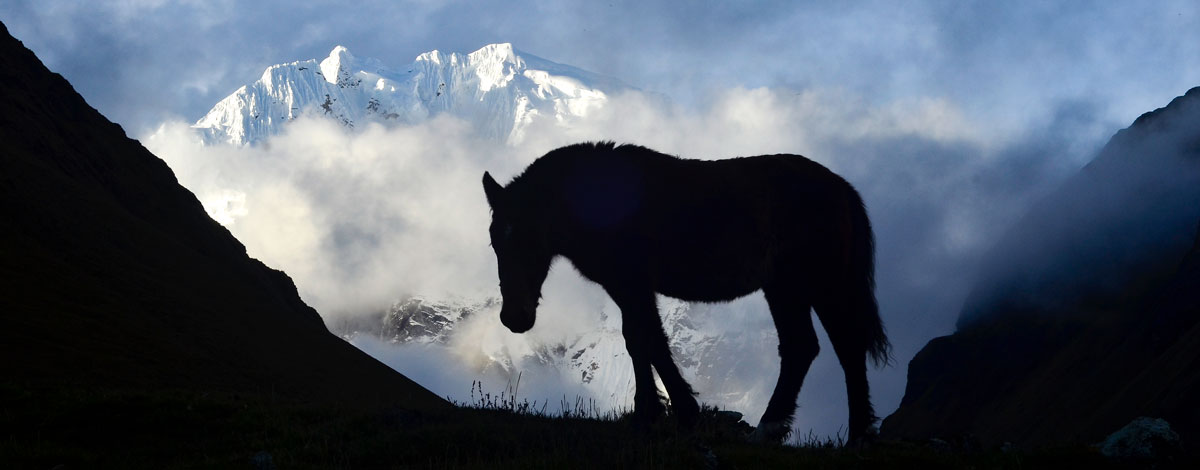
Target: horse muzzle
516,319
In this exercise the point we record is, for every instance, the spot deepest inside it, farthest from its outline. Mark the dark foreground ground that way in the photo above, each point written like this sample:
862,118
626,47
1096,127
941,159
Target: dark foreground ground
65,429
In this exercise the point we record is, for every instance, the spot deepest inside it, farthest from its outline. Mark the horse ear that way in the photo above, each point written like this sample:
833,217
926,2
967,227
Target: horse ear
494,191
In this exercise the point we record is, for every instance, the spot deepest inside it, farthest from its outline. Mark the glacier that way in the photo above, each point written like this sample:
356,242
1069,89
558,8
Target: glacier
498,90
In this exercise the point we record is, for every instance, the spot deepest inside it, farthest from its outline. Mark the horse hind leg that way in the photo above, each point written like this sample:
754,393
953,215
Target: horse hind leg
798,347
838,317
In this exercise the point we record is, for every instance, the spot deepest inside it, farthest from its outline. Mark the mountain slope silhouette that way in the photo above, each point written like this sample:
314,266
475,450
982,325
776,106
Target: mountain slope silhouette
1090,316
115,277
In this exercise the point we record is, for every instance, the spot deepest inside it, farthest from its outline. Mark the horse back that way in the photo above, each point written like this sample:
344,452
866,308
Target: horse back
768,194
720,229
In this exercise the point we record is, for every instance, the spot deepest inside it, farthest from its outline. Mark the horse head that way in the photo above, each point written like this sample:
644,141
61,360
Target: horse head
522,256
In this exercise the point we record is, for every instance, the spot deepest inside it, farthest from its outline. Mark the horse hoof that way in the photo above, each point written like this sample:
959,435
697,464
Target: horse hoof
768,433
686,414
864,440
647,414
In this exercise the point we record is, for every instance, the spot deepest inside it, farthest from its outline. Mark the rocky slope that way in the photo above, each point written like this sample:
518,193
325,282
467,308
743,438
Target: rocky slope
497,89
1094,317
115,277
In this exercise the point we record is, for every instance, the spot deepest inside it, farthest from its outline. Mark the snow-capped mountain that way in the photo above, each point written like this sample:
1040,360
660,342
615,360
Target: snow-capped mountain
500,91
719,364
417,320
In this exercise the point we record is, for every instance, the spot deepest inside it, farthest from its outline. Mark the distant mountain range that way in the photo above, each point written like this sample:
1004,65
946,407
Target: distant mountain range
500,91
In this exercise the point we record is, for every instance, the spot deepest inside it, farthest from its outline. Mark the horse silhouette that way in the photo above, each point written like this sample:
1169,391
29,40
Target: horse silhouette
638,222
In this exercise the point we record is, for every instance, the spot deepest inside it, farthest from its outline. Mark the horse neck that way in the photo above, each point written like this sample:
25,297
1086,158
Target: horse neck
542,207
557,226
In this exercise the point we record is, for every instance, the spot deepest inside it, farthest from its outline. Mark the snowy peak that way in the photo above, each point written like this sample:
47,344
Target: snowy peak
336,68
495,65
499,90
502,52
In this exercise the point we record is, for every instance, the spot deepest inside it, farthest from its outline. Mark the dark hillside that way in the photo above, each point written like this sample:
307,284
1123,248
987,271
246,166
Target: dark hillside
114,276
1090,325
1112,231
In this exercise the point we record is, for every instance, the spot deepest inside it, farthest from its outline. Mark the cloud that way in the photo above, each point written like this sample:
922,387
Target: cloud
362,218
357,218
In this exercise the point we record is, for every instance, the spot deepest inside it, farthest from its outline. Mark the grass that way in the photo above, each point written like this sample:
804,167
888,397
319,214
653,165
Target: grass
506,400
89,428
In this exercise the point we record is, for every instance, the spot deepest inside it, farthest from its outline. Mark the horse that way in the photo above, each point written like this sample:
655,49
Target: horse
640,223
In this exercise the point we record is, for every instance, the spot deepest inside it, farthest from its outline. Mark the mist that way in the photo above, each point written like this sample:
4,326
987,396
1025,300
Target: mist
1123,222
362,218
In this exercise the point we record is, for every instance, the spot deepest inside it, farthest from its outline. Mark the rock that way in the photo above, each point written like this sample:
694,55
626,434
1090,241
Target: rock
1142,439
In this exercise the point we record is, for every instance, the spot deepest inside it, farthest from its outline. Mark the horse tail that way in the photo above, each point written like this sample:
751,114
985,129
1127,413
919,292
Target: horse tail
862,279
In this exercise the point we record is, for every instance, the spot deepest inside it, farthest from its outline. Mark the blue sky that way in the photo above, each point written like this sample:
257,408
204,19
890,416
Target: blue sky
951,117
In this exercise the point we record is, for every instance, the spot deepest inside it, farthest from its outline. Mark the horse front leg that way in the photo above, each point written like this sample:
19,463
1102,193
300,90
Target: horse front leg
647,345
647,405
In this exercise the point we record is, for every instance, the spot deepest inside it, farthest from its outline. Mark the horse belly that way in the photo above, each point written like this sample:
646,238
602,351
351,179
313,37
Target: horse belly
712,250
722,292
714,276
